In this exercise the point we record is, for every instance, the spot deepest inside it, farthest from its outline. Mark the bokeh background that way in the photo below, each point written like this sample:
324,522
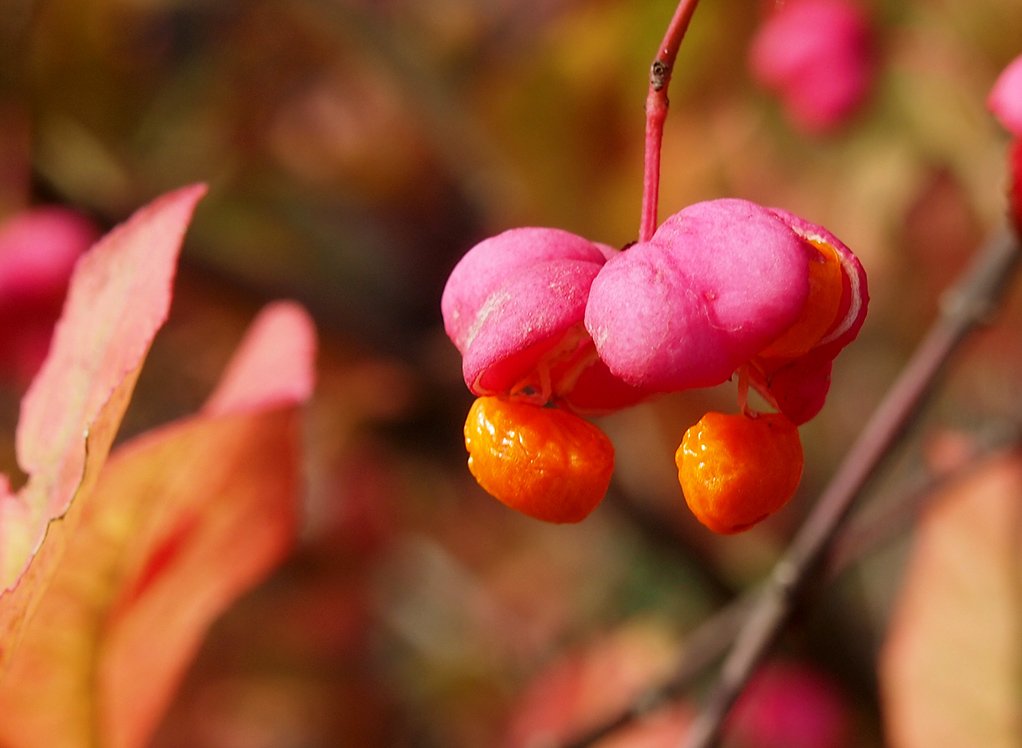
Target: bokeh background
355,149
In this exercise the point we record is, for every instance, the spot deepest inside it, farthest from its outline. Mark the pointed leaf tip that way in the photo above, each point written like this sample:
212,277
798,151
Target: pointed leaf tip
118,297
274,364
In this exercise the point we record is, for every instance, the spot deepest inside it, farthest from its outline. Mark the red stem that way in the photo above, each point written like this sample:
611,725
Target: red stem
656,113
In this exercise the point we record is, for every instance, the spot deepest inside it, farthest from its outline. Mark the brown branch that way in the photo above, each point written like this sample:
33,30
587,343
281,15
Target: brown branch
900,507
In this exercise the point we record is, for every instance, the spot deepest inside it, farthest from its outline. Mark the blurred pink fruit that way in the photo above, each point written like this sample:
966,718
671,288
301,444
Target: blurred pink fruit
788,705
817,56
1005,101
38,249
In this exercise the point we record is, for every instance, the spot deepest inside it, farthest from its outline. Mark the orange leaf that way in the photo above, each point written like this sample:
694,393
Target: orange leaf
950,665
118,298
181,521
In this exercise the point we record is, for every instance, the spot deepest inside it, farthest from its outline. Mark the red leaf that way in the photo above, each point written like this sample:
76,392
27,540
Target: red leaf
949,668
181,521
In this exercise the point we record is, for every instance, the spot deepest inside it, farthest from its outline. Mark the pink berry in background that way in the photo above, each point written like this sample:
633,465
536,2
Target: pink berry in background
1015,191
38,250
817,57
1005,99
788,705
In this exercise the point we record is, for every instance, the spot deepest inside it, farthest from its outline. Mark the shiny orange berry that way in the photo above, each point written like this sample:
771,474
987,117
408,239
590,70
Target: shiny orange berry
736,470
544,462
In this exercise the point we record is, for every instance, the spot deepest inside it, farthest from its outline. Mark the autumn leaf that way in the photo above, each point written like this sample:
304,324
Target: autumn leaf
110,570
181,520
118,297
950,668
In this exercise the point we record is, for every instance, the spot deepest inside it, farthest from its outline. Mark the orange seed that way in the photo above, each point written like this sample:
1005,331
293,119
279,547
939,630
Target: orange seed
736,470
826,287
544,462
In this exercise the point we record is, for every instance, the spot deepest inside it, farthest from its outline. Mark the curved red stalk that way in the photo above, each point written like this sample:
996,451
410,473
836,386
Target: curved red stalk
656,114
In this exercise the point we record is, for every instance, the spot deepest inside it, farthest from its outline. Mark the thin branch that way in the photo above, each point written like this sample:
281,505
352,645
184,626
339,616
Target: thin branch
897,510
656,113
969,303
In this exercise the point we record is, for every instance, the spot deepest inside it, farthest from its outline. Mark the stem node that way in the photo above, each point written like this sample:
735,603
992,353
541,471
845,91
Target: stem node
659,74
656,113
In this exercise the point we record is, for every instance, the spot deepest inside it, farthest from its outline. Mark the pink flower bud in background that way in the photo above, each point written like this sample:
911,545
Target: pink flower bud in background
817,57
1015,191
38,249
1005,101
788,705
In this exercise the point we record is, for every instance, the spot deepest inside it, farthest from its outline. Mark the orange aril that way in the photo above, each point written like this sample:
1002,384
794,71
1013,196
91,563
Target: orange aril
736,470
826,287
544,462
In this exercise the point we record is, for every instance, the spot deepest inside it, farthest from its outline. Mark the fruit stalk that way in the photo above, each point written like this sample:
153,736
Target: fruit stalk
656,113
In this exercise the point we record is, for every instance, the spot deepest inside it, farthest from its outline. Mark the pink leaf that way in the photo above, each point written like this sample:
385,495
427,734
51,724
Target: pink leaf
118,297
181,521
949,668
272,366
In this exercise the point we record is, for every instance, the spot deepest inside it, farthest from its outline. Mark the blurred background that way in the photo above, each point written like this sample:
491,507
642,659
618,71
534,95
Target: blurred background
355,149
